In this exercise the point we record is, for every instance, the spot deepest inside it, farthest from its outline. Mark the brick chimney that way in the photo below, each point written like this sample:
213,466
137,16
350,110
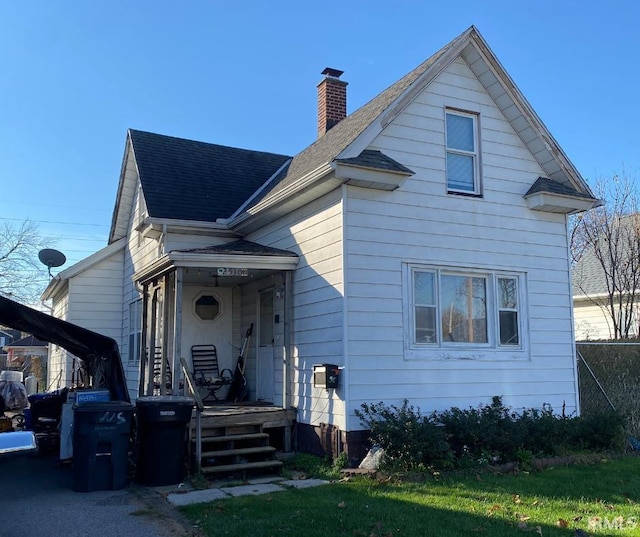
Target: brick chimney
332,100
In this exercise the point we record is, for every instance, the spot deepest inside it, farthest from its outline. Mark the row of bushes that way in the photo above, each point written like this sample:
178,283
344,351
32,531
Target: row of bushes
492,433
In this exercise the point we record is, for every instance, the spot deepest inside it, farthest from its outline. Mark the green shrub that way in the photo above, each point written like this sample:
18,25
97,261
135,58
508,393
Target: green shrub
410,440
490,433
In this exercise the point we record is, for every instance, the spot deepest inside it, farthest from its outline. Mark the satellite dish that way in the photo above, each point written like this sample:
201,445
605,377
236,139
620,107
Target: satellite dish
51,258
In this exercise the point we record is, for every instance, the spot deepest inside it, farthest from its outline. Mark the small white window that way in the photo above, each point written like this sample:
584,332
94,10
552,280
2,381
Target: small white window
462,152
135,330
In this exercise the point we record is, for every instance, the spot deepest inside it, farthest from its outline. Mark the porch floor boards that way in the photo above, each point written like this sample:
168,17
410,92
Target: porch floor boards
225,415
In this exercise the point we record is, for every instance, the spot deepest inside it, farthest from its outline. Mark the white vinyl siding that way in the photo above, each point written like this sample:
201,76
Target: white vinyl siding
314,232
420,224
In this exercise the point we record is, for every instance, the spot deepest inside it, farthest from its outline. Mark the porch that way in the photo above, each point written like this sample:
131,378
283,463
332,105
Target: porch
209,297
239,437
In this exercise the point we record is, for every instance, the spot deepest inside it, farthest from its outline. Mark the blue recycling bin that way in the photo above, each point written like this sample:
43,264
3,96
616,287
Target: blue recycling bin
101,434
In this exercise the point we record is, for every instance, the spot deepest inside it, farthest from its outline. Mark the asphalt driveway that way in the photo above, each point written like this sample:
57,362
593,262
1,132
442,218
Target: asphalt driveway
37,500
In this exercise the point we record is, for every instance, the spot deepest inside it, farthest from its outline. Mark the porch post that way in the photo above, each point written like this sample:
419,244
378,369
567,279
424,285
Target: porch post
142,355
177,330
165,334
152,339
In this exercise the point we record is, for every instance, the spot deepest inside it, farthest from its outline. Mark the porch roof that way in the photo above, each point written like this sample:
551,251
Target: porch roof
216,260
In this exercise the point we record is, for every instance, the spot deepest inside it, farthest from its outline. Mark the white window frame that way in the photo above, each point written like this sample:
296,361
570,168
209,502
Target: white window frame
475,154
135,330
441,349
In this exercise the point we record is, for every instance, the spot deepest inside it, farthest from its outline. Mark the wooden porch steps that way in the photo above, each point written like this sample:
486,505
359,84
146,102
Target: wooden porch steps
236,448
241,467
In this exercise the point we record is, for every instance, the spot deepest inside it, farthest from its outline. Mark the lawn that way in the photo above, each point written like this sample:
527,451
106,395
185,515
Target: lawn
597,499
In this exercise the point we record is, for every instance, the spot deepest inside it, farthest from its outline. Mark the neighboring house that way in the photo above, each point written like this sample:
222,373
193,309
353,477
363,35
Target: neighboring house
29,355
593,287
420,245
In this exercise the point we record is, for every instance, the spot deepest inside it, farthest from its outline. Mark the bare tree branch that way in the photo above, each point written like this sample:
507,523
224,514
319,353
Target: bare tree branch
611,235
21,274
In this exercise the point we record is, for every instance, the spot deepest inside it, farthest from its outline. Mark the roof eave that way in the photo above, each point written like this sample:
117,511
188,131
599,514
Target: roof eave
272,200
174,260
566,166
367,177
56,283
559,203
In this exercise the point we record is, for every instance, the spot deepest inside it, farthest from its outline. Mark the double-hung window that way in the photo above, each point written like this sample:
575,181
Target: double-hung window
135,329
464,308
463,168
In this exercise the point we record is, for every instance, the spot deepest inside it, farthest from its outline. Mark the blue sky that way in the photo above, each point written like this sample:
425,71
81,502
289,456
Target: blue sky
77,74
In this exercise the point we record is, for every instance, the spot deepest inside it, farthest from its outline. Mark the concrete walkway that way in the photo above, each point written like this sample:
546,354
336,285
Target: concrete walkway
252,487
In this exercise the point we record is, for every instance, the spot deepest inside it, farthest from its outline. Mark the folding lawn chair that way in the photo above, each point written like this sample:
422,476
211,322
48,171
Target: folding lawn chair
206,371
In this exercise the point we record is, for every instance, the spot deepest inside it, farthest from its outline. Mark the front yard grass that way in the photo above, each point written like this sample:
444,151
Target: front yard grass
597,499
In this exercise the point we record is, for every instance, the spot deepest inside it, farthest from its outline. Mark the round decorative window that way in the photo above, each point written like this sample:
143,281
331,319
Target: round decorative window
207,307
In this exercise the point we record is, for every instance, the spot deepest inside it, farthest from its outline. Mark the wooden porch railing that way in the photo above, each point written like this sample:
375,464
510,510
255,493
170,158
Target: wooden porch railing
191,384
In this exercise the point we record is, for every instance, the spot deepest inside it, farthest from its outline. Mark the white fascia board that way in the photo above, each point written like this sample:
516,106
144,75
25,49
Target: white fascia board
530,115
558,203
253,196
124,184
190,260
369,134
203,260
369,177
154,227
272,200
81,266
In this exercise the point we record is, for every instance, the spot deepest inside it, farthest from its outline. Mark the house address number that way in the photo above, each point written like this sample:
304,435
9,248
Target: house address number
233,271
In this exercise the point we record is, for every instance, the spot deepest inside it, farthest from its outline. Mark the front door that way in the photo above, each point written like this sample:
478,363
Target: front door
264,340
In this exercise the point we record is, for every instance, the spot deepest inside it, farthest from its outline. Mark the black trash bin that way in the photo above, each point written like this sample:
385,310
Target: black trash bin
162,437
101,433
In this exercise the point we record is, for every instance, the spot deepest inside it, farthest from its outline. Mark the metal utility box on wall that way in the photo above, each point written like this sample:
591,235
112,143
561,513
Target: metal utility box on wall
325,376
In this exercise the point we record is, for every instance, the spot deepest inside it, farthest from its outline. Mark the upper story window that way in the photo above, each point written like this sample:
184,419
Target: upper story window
463,170
465,309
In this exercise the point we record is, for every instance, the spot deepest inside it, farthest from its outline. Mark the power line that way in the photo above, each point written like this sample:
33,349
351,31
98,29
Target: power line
54,222
75,208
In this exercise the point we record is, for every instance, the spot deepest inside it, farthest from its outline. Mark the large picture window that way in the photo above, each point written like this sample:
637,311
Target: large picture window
462,152
465,308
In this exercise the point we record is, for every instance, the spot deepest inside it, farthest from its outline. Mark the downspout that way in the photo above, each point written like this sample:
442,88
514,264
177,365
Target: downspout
161,241
576,380
345,373
288,327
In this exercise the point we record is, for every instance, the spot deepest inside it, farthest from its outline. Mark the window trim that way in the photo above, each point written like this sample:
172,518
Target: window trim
132,356
440,349
475,154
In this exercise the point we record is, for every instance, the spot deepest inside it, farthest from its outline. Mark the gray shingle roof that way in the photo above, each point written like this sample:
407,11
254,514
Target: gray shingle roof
189,180
241,247
376,160
543,184
329,146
